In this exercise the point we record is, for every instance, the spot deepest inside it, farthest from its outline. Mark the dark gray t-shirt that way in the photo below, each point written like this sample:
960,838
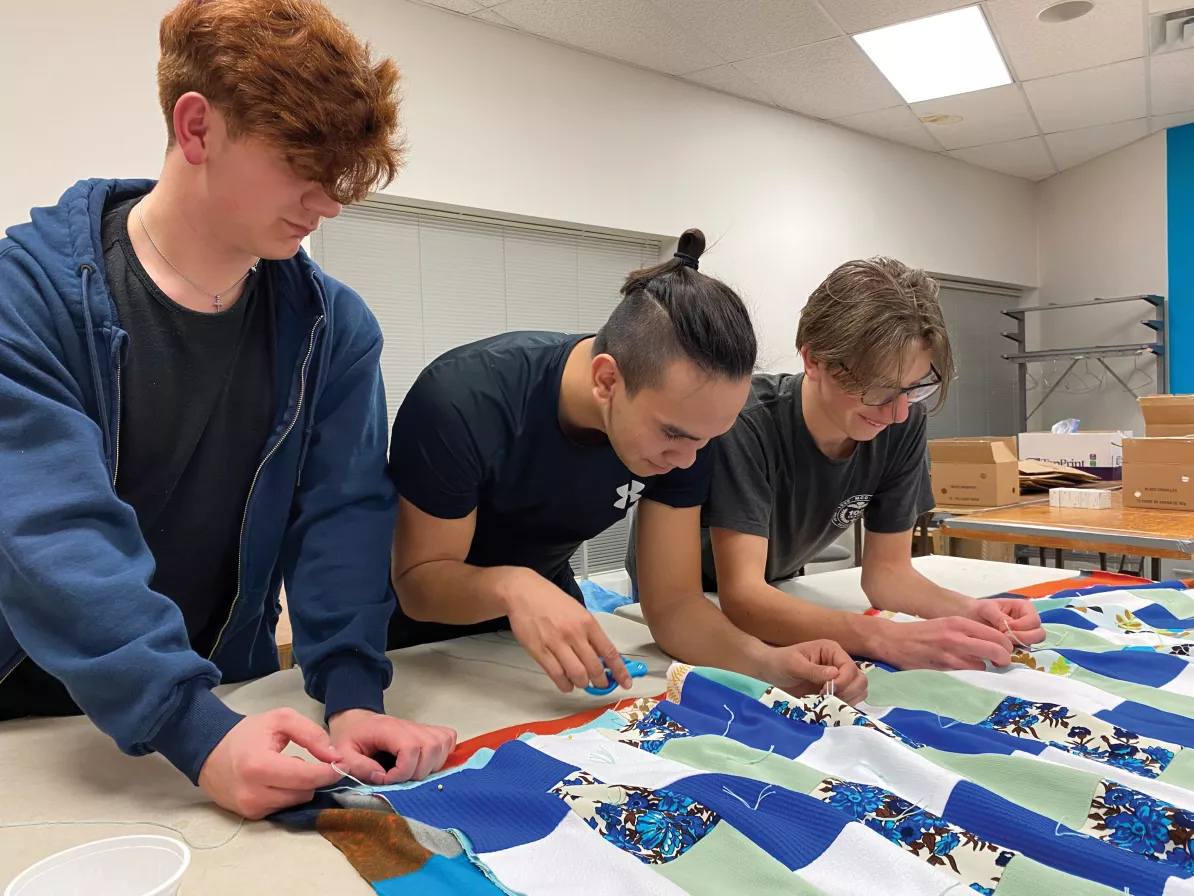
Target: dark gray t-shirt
770,479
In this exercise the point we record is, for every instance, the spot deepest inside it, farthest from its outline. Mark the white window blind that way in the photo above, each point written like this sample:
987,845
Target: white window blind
982,398
436,281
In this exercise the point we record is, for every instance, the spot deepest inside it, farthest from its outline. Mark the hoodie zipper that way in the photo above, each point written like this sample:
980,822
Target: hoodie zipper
116,444
240,557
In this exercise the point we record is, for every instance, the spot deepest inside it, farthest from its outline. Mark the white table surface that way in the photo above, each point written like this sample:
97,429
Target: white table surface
65,769
842,588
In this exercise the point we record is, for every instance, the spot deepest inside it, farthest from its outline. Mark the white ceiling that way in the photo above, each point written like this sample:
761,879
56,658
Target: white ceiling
1082,88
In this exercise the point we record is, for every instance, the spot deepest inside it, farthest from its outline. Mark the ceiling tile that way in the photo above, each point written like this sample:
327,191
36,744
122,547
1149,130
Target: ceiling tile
492,15
995,115
1111,32
490,2
898,123
464,6
1072,148
1023,158
863,15
1088,98
630,30
826,80
1173,82
1176,120
728,79
740,29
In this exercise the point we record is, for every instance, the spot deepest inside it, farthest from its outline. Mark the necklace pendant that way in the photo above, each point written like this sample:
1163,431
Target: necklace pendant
218,303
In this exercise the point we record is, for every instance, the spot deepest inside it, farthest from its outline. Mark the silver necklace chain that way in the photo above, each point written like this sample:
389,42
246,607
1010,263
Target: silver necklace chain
216,297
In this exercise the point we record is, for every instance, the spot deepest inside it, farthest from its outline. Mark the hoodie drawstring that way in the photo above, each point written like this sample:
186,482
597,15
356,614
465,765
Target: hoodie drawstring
86,273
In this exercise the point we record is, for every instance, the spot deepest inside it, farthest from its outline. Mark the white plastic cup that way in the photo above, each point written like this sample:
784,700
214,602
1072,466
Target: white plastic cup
139,865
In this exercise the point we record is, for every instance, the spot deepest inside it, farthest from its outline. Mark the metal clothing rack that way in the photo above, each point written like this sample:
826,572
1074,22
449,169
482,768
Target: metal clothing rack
1023,358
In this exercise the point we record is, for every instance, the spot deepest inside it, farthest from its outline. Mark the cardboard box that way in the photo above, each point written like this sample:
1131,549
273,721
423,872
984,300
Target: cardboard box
1167,415
1159,473
979,472
1100,453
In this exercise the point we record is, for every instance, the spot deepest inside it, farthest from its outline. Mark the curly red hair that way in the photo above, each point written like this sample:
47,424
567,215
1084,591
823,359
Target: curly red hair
291,74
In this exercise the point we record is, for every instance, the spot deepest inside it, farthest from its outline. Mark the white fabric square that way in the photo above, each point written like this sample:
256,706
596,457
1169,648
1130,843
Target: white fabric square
611,761
595,864
865,756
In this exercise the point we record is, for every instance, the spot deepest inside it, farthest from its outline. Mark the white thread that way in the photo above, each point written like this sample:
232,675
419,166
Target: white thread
829,688
950,725
153,824
602,754
913,804
1058,832
347,775
765,792
1007,628
753,761
730,722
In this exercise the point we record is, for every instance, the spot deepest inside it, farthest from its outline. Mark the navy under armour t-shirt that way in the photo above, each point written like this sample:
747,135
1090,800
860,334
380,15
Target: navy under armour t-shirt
480,429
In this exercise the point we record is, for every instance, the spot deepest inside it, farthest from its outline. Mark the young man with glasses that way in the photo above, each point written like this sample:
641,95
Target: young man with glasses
812,452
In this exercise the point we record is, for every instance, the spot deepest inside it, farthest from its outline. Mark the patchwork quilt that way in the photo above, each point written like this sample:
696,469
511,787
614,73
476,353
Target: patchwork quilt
1070,772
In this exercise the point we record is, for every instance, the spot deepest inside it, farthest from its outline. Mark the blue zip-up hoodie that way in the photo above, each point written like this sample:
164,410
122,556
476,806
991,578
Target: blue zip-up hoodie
74,569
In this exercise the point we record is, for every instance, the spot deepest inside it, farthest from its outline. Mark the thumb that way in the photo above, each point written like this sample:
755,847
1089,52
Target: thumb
802,667
308,735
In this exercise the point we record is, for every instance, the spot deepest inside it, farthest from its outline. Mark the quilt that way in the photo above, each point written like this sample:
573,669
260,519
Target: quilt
1069,772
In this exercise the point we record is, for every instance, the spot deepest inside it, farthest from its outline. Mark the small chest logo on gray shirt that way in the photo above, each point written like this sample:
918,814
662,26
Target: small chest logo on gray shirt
628,494
850,510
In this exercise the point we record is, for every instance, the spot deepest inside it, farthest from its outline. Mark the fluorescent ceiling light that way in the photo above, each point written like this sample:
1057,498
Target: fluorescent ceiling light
939,56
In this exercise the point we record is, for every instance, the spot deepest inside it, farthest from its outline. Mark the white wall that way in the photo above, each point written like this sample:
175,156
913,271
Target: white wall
504,122
1102,234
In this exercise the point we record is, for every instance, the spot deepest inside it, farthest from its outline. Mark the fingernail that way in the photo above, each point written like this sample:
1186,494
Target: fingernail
377,778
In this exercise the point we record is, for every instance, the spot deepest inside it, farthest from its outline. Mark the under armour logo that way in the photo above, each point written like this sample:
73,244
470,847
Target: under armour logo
628,494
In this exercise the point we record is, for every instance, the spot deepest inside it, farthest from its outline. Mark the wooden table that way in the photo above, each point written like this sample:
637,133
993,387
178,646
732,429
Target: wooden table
1115,530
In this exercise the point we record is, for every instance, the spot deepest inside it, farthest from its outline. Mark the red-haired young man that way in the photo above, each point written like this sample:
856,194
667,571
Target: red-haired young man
192,413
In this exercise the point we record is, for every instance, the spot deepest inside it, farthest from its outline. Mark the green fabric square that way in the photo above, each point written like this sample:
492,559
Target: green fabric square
721,755
1155,697
1180,771
727,861
1054,791
1179,603
743,684
1027,877
932,692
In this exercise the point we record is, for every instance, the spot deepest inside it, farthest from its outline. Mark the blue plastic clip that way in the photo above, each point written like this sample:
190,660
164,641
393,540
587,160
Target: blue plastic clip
634,667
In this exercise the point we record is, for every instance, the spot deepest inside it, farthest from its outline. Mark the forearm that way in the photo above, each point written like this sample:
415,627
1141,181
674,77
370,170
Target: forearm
781,619
900,588
697,632
457,593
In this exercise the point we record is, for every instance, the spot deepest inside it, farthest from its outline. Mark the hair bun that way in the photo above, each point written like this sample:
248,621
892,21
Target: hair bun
692,244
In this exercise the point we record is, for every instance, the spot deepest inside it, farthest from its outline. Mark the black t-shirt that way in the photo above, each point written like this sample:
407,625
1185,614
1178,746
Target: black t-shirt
196,407
480,429
770,479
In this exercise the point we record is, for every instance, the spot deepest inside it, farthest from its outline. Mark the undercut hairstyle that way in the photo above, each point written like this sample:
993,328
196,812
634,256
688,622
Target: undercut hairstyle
673,311
288,73
867,316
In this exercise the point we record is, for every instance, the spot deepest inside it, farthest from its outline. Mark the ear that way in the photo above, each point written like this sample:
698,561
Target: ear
605,375
194,122
812,369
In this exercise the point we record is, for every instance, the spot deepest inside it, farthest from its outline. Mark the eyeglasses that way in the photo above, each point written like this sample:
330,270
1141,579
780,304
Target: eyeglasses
878,397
